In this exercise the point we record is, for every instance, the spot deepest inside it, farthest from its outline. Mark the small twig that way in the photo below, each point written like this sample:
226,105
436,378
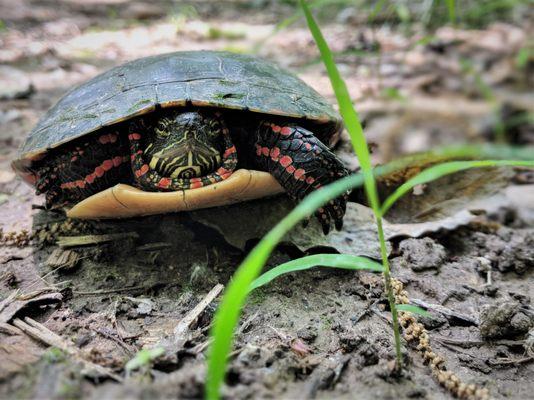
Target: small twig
40,332
119,341
471,343
199,348
86,240
447,312
35,293
511,361
247,323
183,326
8,300
108,291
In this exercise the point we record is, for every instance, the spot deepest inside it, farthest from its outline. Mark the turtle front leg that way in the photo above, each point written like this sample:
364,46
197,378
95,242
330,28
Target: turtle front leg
301,163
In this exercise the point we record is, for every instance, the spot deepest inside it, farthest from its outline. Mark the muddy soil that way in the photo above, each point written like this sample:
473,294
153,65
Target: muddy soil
318,334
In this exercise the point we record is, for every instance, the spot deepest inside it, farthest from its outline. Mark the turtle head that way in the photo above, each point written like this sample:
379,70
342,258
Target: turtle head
186,145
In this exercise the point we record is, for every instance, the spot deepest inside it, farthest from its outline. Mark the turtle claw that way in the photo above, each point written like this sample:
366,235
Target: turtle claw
324,219
333,211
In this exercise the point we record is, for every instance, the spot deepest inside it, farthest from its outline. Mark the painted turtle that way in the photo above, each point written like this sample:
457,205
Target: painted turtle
184,122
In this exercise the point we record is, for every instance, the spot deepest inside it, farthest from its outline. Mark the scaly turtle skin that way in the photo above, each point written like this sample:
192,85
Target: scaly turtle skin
182,121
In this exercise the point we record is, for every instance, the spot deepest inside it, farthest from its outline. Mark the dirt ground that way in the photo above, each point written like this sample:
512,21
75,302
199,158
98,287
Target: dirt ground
463,247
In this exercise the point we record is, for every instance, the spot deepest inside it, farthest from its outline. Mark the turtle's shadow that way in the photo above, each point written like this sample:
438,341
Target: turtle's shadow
148,255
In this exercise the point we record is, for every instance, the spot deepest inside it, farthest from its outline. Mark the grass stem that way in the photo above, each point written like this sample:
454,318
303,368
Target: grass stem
389,291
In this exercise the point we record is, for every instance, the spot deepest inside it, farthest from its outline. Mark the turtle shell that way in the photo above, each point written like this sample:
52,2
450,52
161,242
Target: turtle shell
199,78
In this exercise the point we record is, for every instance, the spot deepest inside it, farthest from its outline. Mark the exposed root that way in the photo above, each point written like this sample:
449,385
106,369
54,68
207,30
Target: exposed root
414,332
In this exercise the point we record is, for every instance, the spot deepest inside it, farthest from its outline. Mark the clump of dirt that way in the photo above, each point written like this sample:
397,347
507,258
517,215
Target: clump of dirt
505,319
422,254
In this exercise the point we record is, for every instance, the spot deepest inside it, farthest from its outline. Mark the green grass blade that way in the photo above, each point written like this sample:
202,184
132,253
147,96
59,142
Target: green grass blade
343,261
451,8
413,309
347,111
440,170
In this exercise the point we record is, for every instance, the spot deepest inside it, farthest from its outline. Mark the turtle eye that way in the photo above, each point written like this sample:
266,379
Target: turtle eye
214,129
162,128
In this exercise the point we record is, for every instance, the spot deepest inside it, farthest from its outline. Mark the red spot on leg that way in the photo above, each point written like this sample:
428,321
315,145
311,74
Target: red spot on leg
99,171
80,184
104,139
286,131
196,185
90,178
308,146
229,151
107,165
299,173
310,180
290,169
275,153
285,161
265,151
258,150
276,128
